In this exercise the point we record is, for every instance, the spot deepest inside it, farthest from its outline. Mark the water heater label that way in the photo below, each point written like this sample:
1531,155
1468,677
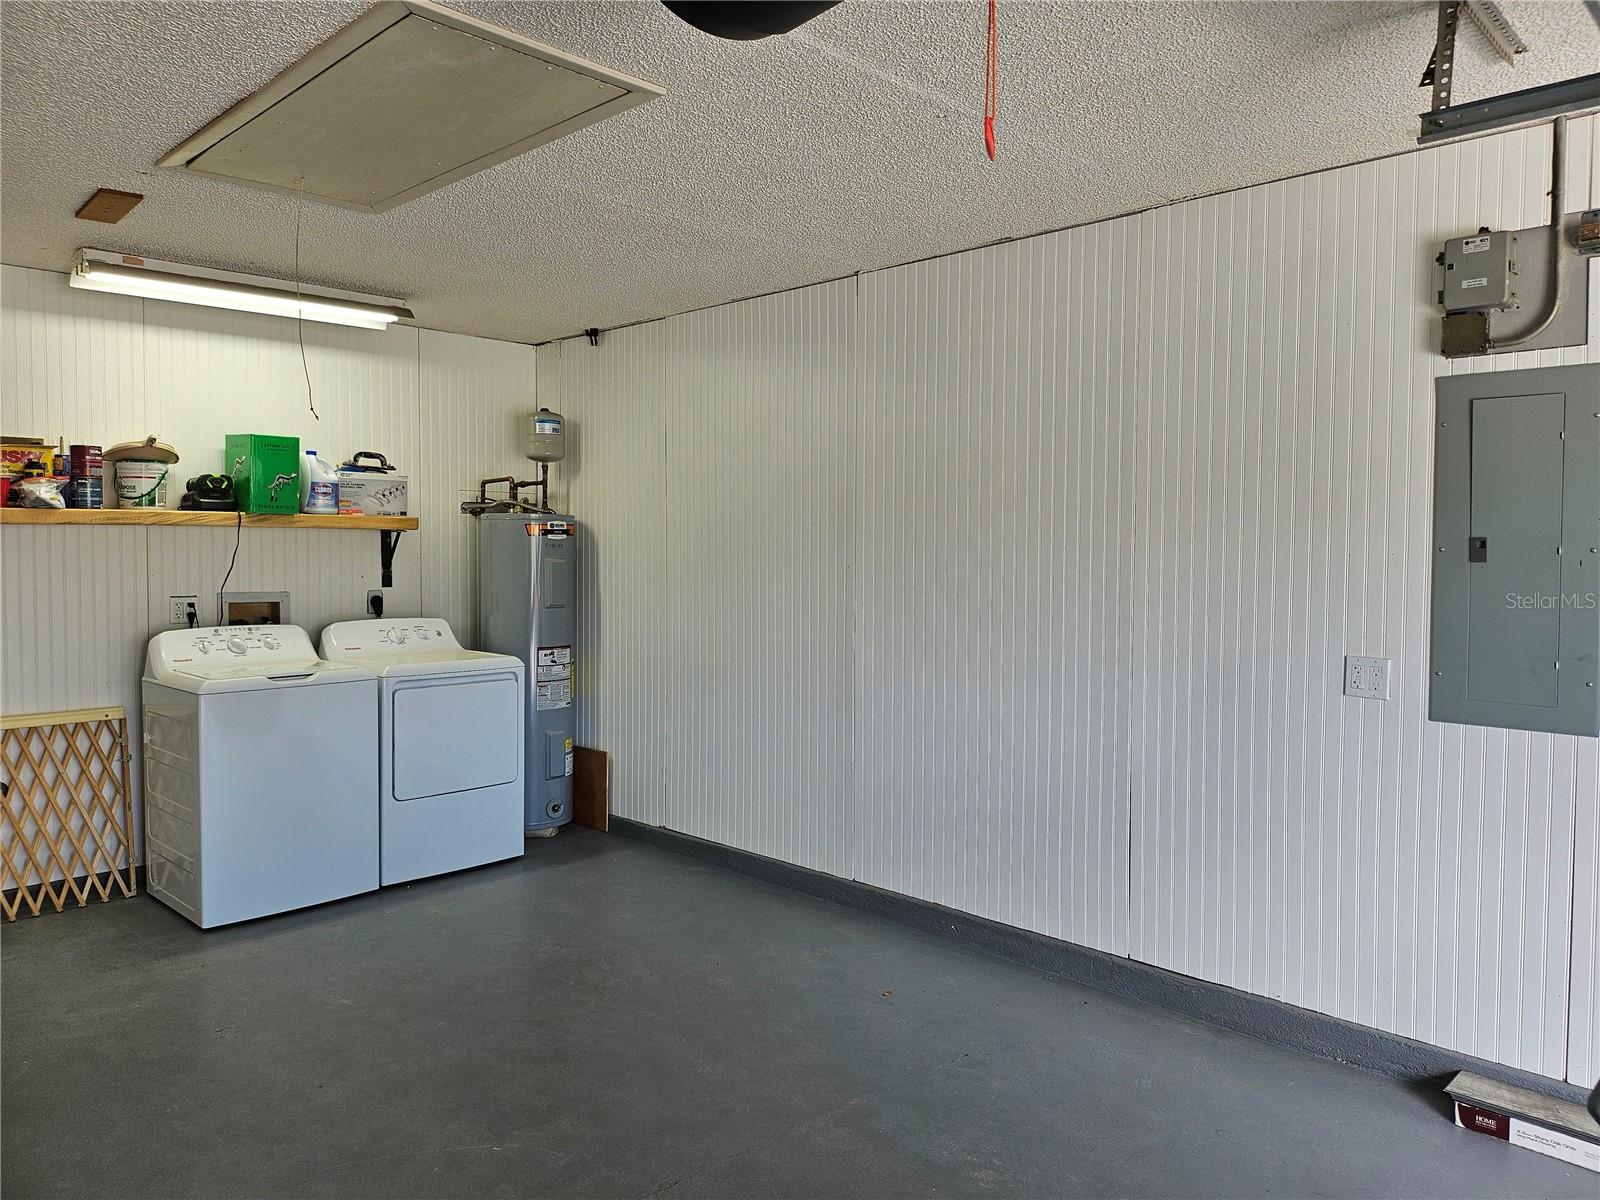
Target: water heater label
553,677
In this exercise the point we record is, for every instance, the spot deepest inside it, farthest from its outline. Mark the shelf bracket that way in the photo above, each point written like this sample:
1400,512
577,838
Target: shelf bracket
388,539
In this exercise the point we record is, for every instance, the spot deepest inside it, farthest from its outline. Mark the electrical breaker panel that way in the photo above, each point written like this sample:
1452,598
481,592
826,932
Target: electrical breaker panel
1516,550
527,604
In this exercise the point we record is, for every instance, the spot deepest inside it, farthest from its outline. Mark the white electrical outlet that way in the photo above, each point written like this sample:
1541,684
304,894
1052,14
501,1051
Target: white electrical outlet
179,608
1366,677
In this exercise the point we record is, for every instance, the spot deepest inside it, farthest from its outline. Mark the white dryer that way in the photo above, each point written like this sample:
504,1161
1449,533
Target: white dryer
260,784
450,757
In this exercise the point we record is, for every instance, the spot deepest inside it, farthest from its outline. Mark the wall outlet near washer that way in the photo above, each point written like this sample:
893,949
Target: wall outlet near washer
1367,678
179,609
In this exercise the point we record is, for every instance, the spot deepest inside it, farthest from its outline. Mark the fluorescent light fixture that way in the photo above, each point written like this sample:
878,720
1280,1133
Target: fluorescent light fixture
131,275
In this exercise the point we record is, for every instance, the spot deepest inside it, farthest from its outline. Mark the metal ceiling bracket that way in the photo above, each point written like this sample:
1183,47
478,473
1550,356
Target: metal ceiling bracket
1496,29
1526,107
1442,66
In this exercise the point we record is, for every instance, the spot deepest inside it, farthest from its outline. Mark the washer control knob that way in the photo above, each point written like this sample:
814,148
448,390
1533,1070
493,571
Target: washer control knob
236,645
269,642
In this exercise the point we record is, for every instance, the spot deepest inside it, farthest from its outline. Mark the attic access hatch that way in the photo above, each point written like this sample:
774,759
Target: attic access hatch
407,98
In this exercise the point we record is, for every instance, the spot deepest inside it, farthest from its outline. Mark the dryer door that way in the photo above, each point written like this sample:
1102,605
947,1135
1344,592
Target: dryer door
454,734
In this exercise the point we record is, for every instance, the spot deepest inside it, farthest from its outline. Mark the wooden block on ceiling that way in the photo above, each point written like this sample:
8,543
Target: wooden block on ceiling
108,205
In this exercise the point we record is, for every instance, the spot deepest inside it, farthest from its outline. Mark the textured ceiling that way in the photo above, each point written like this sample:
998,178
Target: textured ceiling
853,143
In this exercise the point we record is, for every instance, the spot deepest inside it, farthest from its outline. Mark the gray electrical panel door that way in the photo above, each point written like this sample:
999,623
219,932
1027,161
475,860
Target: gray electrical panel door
1516,550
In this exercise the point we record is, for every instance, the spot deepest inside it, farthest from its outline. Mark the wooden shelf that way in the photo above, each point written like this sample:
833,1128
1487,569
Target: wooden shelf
171,516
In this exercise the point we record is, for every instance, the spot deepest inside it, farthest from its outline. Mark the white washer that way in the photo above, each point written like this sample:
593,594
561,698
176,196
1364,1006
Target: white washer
450,745
260,782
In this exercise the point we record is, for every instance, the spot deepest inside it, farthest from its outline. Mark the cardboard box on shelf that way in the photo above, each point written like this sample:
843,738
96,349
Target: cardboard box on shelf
265,470
14,454
373,493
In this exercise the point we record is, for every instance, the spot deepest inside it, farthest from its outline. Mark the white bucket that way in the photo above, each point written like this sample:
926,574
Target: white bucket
141,484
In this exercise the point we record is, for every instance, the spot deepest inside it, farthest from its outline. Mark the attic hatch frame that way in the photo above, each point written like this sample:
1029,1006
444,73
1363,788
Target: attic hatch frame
364,29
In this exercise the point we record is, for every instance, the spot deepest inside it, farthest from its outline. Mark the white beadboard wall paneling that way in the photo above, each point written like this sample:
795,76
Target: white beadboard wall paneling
1344,855
1583,1050
613,480
71,361
993,581
73,629
758,644
474,392
326,573
211,372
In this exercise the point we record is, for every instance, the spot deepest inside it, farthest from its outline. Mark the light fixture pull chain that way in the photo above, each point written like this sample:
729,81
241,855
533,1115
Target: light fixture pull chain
991,79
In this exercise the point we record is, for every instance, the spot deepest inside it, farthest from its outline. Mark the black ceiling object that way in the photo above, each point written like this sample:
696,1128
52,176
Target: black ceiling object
745,22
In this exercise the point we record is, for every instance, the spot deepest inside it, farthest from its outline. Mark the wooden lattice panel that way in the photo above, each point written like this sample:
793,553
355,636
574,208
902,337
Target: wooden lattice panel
66,826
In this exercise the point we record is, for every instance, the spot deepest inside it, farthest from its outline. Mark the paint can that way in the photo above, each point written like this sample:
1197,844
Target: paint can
84,460
141,484
85,492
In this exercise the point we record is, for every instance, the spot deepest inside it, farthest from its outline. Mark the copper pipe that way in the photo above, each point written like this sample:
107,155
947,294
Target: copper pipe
483,487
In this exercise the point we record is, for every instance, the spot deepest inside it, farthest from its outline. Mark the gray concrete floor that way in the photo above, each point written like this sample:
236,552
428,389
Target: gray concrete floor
604,1018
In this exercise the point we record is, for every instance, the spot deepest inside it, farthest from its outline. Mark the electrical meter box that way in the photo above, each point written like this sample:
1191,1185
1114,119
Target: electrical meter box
1480,272
1516,551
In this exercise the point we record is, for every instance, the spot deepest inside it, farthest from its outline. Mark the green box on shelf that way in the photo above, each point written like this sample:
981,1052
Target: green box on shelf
265,470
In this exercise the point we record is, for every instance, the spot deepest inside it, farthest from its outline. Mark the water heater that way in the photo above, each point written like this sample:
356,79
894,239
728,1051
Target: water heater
527,592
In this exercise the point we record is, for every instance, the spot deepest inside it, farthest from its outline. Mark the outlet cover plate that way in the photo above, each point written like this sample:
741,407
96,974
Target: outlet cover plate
1367,678
178,610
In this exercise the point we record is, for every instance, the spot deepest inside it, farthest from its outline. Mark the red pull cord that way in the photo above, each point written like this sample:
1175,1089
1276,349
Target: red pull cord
991,79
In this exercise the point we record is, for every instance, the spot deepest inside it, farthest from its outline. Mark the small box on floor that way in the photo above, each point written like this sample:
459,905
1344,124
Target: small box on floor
1554,1127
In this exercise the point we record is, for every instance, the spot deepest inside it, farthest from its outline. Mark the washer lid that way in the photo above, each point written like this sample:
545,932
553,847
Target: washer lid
244,679
231,658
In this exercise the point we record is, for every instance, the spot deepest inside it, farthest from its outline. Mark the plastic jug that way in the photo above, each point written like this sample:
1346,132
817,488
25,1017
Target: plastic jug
319,486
